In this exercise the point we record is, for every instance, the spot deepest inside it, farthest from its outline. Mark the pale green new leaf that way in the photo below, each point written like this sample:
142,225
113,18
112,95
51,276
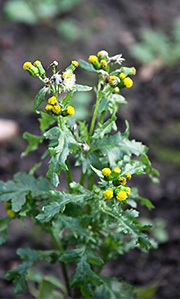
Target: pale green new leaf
86,66
80,88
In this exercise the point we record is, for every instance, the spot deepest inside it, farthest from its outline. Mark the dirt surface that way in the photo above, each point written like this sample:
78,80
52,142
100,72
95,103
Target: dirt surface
153,113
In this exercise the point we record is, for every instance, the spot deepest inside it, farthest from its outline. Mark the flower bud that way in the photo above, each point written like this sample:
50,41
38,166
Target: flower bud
40,68
94,61
113,81
32,70
108,194
116,172
56,109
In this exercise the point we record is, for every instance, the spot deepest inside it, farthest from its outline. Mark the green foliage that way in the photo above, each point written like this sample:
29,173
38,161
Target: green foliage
89,224
33,11
158,45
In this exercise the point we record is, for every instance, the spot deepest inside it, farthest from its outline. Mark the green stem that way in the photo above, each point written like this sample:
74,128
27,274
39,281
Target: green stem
68,175
90,181
82,179
93,119
63,266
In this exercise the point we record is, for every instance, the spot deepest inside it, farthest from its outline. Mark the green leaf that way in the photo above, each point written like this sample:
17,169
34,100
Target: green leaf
114,288
67,98
19,274
59,205
4,229
103,105
86,66
40,98
84,276
19,11
46,121
23,184
143,201
103,129
33,143
116,147
47,287
62,143
75,225
80,88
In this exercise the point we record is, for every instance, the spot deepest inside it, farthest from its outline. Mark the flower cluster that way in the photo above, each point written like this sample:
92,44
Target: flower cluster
54,108
56,84
118,188
119,78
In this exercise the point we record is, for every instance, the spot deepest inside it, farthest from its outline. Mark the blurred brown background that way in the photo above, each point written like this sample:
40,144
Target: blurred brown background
148,35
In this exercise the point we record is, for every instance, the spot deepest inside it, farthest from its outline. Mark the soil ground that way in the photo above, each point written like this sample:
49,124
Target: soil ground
153,113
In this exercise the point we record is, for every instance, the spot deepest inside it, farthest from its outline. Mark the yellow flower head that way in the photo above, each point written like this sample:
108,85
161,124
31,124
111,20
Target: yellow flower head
92,59
128,190
108,194
128,176
121,195
75,63
56,109
10,213
48,107
37,62
106,172
70,110
103,63
122,75
27,65
52,100
128,82
122,180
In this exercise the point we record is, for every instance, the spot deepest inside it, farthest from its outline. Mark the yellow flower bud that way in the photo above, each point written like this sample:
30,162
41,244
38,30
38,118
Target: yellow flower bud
32,70
106,172
10,213
128,82
122,75
122,180
27,65
40,68
52,100
113,80
70,110
103,63
48,107
121,195
75,63
108,194
56,109
128,176
92,59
